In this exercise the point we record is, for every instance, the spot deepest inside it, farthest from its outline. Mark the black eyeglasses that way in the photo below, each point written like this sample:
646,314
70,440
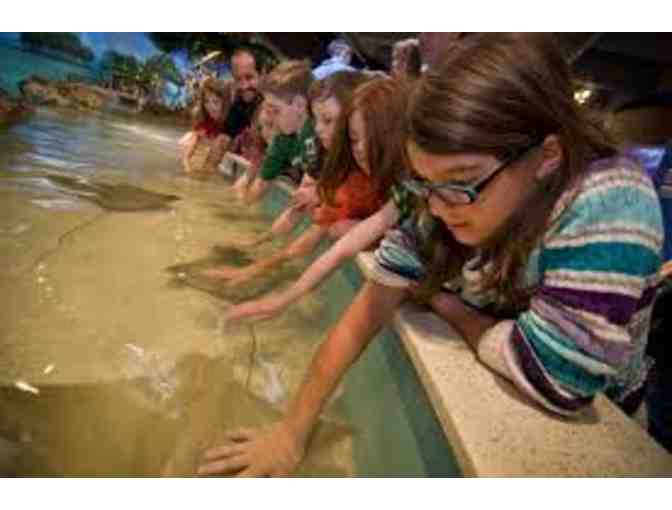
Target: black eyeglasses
458,194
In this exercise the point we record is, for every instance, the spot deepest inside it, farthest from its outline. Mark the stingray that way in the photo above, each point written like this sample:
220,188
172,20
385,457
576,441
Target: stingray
219,255
191,274
114,197
123,428
215,403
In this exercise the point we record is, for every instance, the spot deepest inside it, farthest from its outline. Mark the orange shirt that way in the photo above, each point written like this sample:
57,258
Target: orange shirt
356,199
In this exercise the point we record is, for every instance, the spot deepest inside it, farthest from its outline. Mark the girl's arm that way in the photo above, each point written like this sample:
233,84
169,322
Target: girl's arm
470,323
188,143
356,240
300,247
306,196
286,221
277,450
256,190
281,226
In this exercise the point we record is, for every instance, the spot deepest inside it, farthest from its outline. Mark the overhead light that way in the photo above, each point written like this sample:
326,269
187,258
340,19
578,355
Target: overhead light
582,95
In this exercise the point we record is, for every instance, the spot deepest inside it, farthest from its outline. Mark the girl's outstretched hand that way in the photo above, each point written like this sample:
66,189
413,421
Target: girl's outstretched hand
274,450
223,272
262,308
306,197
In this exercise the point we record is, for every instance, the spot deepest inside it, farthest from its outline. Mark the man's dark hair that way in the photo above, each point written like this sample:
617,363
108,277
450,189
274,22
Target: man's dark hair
245,49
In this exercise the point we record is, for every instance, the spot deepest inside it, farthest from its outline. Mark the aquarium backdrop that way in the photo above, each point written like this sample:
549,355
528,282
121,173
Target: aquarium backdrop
92,56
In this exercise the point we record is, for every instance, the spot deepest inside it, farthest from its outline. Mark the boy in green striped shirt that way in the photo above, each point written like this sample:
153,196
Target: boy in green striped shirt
285,92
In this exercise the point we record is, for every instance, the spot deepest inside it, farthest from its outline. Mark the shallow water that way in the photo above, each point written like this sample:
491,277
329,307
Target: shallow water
107,366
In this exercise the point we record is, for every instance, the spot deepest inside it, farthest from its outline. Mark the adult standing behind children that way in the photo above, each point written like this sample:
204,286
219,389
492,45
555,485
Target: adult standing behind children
239,112
246,75
285,92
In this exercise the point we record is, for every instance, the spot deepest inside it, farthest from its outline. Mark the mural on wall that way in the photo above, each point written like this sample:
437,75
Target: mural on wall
151,67
138,72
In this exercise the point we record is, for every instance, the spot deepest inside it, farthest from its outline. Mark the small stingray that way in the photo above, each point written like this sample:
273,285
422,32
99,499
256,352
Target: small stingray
114,197
216,403
237,293
220,255
238,214
191,274
120,428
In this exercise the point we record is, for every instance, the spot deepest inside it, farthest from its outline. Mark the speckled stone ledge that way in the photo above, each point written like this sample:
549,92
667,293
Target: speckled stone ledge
494,431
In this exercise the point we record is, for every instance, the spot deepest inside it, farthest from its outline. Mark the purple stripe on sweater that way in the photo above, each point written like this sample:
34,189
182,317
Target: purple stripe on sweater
615,162
648,297
610,352
616,308
535,375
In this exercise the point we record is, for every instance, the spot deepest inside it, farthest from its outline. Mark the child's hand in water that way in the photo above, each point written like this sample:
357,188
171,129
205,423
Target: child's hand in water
255,241
287,220
223,272
274,450
185,140
263,308
244,275
306,197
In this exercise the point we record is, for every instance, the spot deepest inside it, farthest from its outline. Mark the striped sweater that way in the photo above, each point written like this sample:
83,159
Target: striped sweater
595,276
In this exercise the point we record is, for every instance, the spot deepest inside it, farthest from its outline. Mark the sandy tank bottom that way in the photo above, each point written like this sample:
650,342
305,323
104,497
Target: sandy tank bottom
111,366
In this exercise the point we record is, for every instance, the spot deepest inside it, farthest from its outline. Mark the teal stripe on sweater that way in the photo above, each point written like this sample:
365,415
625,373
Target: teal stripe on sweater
625,258
563,372
619,204
564,347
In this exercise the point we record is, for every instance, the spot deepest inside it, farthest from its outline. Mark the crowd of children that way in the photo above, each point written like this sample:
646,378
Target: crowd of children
477,186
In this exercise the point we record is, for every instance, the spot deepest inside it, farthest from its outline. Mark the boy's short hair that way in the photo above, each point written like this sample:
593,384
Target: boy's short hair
288,79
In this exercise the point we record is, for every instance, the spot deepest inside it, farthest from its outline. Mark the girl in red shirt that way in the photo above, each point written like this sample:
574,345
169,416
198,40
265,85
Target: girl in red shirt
209,117
356,177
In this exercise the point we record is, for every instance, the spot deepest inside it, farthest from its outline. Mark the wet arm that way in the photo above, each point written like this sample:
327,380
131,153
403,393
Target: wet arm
303,245
286,221
470,323
371,309
256,190
190,143
277,450
356,240
276,159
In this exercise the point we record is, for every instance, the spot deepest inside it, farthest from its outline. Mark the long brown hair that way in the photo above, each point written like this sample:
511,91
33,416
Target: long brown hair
494,93
339,85
382,103
221,88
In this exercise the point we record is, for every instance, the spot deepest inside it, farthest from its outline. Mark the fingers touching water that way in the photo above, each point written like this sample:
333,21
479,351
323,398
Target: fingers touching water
268,451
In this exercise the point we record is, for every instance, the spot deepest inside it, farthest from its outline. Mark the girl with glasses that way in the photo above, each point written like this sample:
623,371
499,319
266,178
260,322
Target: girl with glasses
566,238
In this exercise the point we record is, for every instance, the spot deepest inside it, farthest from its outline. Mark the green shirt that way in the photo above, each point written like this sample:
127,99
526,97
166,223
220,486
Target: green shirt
286,151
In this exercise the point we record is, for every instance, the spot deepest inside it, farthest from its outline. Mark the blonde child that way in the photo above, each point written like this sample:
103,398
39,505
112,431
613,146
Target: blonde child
209,120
